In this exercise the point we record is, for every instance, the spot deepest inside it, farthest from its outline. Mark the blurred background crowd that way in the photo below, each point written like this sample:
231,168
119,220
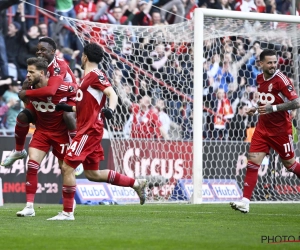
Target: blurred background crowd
156,66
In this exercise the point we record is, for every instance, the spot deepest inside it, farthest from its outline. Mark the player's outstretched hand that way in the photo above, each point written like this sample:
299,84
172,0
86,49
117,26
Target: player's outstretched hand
64,107
108,113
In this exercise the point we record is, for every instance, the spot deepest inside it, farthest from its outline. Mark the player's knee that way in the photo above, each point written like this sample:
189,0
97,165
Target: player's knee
66,169
91,175
25,116
70,120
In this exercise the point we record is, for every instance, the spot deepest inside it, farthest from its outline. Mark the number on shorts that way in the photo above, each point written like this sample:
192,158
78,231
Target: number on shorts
287,147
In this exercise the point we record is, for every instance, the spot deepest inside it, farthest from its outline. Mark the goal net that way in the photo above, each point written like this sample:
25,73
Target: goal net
169,126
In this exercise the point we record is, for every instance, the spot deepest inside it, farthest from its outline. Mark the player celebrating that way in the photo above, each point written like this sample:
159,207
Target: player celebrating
274,128
45,49
86,148
51,131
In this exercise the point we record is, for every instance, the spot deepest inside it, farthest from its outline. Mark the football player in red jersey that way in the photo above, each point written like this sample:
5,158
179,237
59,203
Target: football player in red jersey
45,49
274,128
86,146
51,130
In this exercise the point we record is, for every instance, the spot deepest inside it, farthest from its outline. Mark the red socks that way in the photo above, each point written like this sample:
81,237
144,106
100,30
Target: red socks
31,180
119,179
68,197
21,130
250,179
295,168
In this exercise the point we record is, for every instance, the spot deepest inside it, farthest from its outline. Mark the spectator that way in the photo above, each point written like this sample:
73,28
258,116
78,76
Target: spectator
3,55
4,107
168,125
253,65
223,77
115,17
66,9
185,121
246,6
142,17
44,29
12,41
14,110
261,6
101,14
176,7
237,129
145,123
78,74
156,18
189,6
27,49
223,112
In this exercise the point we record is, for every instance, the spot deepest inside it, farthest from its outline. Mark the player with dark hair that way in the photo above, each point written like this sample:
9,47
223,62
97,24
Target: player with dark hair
274,128
86,148
45,49
51,130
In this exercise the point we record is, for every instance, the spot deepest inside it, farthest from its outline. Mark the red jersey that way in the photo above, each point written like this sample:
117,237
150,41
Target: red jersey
145,124
89,102
47,119
59,67
276,90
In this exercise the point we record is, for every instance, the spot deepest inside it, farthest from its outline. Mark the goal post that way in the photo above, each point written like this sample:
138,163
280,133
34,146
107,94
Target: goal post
275,183
198,108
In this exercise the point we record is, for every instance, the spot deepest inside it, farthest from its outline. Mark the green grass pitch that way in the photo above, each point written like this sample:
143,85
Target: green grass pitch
168,226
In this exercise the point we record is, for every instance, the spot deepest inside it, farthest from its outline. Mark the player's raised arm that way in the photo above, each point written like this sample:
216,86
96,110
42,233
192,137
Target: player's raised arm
53,84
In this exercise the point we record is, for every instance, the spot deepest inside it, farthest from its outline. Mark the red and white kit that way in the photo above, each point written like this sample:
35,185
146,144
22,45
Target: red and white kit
90,100
50,127
275,129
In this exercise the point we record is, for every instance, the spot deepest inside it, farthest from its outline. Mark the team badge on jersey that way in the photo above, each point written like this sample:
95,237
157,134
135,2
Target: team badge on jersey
101,78
290,88
71,89
56,71
270,87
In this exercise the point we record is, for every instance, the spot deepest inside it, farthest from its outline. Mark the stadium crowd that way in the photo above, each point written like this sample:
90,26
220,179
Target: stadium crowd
153,66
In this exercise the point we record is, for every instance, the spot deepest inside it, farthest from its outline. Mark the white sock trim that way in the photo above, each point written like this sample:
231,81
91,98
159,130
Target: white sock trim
246,200
29,204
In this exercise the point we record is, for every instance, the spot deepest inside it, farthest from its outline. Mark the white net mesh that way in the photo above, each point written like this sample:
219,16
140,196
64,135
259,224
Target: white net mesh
155,62
158,62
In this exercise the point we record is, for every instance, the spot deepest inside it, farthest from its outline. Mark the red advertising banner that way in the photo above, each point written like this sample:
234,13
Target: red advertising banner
172,160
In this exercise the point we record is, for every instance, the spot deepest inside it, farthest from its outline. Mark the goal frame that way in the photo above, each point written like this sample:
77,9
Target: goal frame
199,16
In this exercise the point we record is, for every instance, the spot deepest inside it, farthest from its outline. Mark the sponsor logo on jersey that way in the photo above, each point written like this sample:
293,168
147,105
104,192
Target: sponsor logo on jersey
270,87
266,98
44,107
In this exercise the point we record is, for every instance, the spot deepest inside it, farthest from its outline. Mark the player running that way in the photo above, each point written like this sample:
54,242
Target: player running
45,49
51,130
274,128
86,146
